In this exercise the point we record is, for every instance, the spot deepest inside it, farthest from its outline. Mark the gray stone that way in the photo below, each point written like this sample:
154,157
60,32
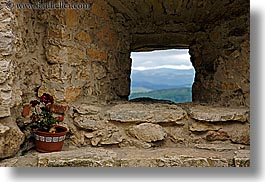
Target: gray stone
218,114
148,132
147,113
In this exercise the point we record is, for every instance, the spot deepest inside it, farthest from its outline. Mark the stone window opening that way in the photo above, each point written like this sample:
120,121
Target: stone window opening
162,75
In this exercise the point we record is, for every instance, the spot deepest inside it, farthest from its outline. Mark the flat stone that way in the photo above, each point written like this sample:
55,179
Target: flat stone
199,126
87,109
220,135
129,157
148,132
87,157
89,122
220,147
218,114
147,113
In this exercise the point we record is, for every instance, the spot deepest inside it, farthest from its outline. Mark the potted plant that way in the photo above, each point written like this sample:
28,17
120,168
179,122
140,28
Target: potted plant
49,135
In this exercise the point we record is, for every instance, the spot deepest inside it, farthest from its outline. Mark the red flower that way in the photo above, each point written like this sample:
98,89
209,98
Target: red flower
33,103
46,99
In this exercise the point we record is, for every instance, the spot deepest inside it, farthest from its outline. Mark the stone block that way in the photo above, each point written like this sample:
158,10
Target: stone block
147,113
217,135
148,132
107,37
218,114
203,126
4,110
4,71
99,11
11,138
90,122
96,54
88,109
72,94
76,55
83,37
71,17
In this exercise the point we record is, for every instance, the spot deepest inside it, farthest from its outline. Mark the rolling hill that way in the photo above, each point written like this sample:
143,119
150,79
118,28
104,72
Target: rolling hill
166,84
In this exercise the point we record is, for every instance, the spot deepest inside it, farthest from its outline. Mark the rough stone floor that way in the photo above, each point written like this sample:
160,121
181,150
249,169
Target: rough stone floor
213,155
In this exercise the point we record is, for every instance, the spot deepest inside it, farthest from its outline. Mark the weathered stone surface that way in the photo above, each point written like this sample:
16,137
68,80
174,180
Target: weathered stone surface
10,138
220,147
4,110
242,158
87,109
148,132
219,114
238,132
90,122
202,126
98,157
146,113
217,135
30,160
87,157
107,136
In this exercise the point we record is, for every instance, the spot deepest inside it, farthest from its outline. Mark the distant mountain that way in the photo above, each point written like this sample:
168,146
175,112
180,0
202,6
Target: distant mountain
160,79
176,95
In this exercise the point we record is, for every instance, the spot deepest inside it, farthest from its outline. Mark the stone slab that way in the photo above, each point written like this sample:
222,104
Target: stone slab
147,113
218,114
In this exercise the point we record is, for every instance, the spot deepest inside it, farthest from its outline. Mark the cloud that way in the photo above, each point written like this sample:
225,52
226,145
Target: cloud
173,59
177,67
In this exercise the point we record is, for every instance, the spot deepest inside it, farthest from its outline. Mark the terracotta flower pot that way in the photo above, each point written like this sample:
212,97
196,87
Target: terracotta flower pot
50,142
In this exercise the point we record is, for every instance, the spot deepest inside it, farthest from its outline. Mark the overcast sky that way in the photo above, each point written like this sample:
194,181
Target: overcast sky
173,58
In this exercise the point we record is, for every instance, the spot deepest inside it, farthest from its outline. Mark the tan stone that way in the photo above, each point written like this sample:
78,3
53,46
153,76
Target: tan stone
76,55
108,37
56,54
199,126
90,122
72,94
83,36
93,53
71,17
218,114
238,132
10,138
148,132
57,32
149,113
99,11
88,109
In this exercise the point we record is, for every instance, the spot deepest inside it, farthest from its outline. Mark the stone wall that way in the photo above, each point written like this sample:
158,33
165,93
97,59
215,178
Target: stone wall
150,125
82,58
